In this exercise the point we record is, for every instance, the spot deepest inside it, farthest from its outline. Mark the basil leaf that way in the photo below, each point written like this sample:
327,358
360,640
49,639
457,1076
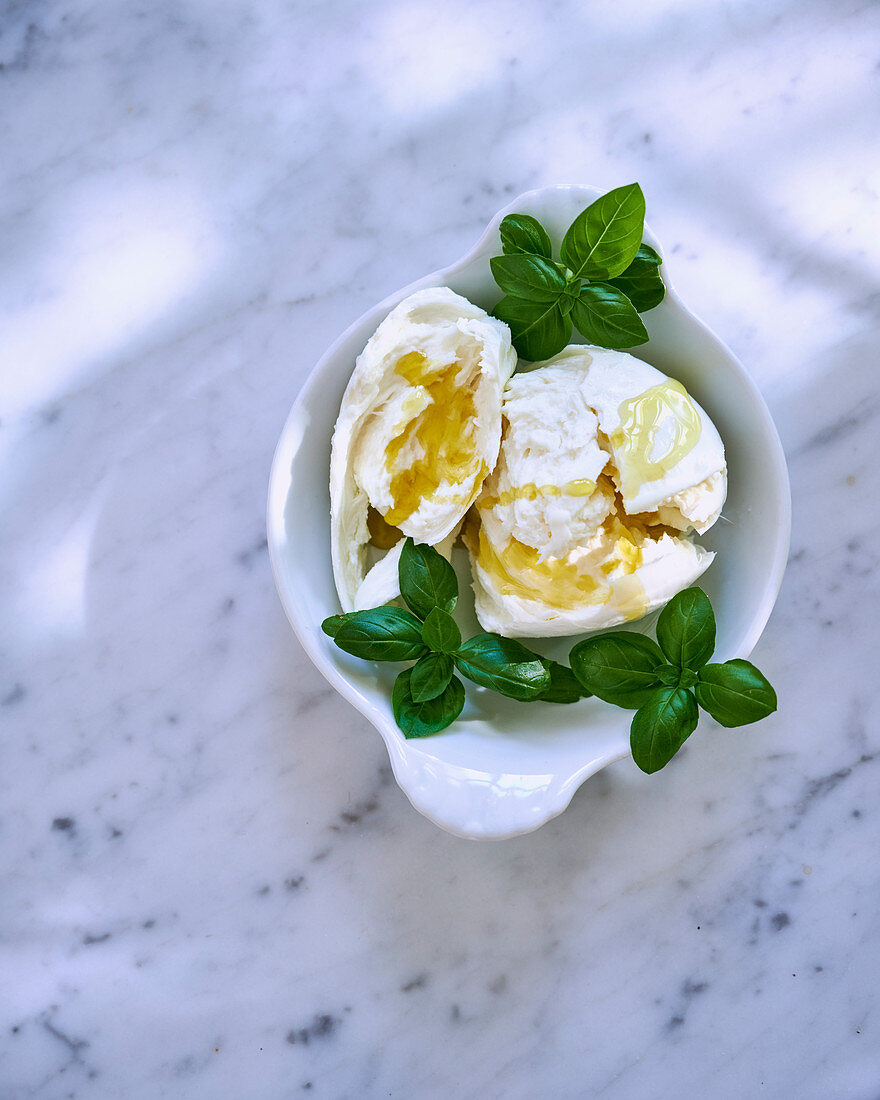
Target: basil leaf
620,668
608,318
382,634
503,665
686,629
331,625
427,580
538,330
530,277
644,294
564,685
661,726
430,676
422,719
735,693
645,290
603,240
441,632
523,233
641,282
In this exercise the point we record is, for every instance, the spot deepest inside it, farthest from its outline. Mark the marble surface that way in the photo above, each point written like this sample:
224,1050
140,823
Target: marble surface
211,886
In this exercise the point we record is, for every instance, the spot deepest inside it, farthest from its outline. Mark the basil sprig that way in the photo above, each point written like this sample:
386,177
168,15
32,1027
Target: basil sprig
664,683
604,279
428,697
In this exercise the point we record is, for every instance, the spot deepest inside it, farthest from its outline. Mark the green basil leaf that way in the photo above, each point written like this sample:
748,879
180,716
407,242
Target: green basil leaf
441,632
430,676
427,580
603,240
735,693
641,282
661,726
564,685
503,665
523,233
620,668
538,330
331,625
530,277
686,629
382,634
608,318
422,719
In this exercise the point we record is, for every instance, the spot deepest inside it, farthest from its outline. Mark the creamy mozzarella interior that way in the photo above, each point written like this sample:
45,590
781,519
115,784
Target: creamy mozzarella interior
427,437
544,490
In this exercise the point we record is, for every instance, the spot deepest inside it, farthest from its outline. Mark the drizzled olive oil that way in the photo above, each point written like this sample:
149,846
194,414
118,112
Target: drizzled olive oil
582,487
441,438
662,412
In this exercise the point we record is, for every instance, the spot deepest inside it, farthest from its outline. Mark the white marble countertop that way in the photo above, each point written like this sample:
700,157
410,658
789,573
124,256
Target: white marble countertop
211,886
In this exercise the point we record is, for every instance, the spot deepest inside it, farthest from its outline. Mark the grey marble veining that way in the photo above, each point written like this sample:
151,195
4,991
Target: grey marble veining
212,886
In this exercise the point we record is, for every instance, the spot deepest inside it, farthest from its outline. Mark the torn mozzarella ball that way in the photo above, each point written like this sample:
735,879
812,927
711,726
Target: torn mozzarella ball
605,464
418,431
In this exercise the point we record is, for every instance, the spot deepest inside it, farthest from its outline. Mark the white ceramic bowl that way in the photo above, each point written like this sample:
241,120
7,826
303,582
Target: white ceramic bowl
504,767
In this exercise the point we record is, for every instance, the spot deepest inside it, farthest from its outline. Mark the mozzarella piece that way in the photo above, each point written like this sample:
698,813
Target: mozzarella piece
418,430
381,584
604,464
